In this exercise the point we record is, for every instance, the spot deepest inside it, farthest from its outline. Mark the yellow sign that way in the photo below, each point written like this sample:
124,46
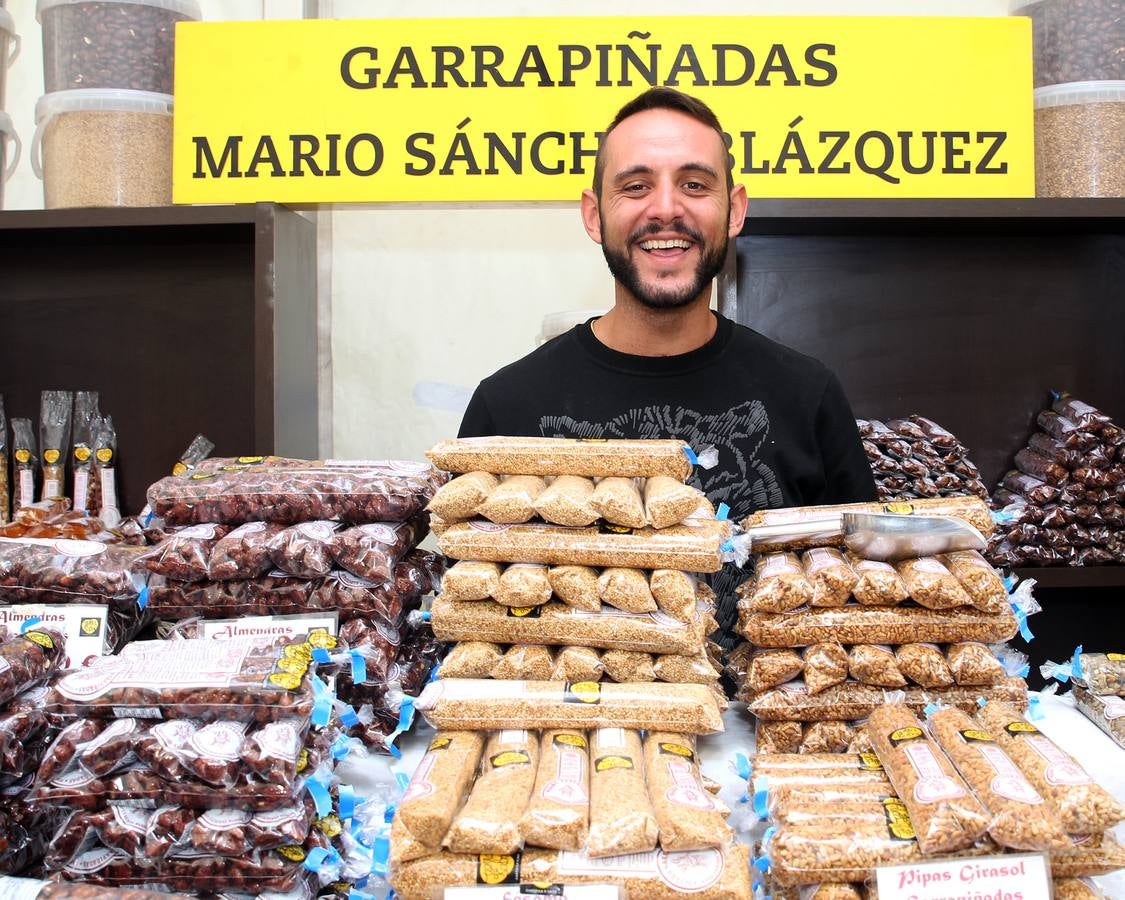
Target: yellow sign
510,109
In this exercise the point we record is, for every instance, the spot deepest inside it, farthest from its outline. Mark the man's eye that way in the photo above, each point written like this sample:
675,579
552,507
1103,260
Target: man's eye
695,186
634,188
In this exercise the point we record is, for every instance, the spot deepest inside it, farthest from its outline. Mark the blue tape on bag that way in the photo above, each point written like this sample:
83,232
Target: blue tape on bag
316,858
142,597
362,883
435,674
382,852
348,716
1025,671
426,615
388,813
1034,710
403,780
1021,619
405,720
742,765
1010,581
322,656
761,797
29,624
981,701
346,801
727,546
341,747
321,798
359,668
322,702
723,512
149,518
353,894
1076,664
929,709
690,454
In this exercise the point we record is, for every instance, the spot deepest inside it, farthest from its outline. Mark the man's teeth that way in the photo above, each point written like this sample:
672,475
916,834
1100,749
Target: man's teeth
665,245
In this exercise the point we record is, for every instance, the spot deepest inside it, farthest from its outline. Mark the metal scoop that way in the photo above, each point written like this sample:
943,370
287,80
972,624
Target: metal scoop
889,538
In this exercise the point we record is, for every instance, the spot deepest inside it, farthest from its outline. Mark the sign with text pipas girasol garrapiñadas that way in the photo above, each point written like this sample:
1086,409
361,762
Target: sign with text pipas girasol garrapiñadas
511,109
1015,877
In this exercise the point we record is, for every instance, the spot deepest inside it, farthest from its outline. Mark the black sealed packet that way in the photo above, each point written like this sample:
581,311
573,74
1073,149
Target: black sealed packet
204,680
297,491
55,410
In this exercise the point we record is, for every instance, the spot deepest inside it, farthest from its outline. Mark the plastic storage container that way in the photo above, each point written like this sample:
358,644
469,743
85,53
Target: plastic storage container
1076,40
1080,140
9,47
8,160
122,44
103,148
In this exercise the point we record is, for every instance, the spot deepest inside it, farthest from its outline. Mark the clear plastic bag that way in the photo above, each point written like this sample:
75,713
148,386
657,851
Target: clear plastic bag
830,574
25,459
55,411
777,585
618,501
688,817
558,814
622,819
467,580
461,497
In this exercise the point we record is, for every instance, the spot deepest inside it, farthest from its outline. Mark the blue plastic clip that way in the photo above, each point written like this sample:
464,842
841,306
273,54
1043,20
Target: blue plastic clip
435,674
321,798
1025,671
690,454
322,656
727,546
1076,664
348,716
929,709
1010,581
761,796
426,615
402,779
382,852
149,518
980,702
142,597
1034,710
29,624
742,766
405,720
341,747
316,859
389,813
1021,618
322,702
353,894
723,512
346,802
359,667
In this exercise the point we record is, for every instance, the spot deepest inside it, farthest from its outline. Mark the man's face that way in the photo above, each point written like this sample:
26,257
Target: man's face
665,214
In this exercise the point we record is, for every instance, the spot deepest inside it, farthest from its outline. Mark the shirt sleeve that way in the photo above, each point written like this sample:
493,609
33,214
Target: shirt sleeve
477,421
847,473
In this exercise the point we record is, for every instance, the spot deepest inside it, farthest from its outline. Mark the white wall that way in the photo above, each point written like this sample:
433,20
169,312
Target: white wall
425,301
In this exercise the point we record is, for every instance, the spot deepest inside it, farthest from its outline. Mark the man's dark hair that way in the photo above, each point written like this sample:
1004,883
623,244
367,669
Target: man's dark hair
660,98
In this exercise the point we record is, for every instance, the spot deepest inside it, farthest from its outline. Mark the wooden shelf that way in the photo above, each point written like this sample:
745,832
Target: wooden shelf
186,319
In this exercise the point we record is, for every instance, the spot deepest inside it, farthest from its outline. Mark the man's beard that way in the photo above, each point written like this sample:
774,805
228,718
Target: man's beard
711,261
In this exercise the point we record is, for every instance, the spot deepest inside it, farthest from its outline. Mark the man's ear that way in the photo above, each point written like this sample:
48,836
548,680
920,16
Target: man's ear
590,217
738,203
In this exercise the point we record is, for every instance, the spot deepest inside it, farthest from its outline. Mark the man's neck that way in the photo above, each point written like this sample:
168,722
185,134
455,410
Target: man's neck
635,329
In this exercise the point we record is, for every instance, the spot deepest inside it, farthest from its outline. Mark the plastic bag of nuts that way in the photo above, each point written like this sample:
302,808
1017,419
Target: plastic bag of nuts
855,624
1102,673
189,679
558,814
618,500
29,659
924,665
466,703
471,659
687,816
467,580
931,584
777,737
769,668
1019,817
489,820
778,585
186,554
622,819
674,592
436,791
826,664
461,497
563,456
34,570
877,583
830,575
876,665
243,552
972,663
1085,807
1107,712
826,737
945,814
981,582
371,551
668,501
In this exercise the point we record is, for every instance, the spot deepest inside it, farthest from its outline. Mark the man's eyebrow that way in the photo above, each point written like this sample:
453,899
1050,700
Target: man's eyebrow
705,169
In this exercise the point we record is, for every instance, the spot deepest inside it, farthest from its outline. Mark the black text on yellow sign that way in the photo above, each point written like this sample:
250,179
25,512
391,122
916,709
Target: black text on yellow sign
513,109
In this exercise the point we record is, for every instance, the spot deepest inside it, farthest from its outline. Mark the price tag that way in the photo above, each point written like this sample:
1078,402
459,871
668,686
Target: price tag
1015,877
535,892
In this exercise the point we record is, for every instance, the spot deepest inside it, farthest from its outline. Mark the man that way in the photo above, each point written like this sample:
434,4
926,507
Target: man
661,364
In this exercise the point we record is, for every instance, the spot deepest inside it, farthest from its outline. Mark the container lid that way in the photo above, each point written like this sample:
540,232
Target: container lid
7,23
1073,92
187,8
104,99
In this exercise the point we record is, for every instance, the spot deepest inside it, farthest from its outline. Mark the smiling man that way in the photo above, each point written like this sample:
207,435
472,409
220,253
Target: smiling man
660,363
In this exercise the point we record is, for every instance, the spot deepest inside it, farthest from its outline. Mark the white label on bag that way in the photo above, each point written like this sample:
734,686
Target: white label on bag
776,565
83,626
318,531
219,740
254,628
195,532
131,818
1113,708
27,487
1061,769
929,565
276,817
568,787
820,558
1024,876
81,490
610,737
687,791
279,740
109,489
420,785
688,871
512,736
174,734
224,819
249,528
933,784
79,548
51,489
454,689
873,565
1009,781
186,664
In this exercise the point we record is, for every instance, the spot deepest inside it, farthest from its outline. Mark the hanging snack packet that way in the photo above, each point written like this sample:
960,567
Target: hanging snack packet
87,491
105,465
55,410
26,458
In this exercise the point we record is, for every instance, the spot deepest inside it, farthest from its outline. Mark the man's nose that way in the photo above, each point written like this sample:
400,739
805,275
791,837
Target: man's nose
665,203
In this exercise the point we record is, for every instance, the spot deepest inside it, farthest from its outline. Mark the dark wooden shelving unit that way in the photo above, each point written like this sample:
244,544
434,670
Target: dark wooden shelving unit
967,311
185,319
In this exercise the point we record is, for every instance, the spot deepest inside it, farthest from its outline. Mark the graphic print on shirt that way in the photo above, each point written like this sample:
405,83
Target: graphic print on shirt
740,479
